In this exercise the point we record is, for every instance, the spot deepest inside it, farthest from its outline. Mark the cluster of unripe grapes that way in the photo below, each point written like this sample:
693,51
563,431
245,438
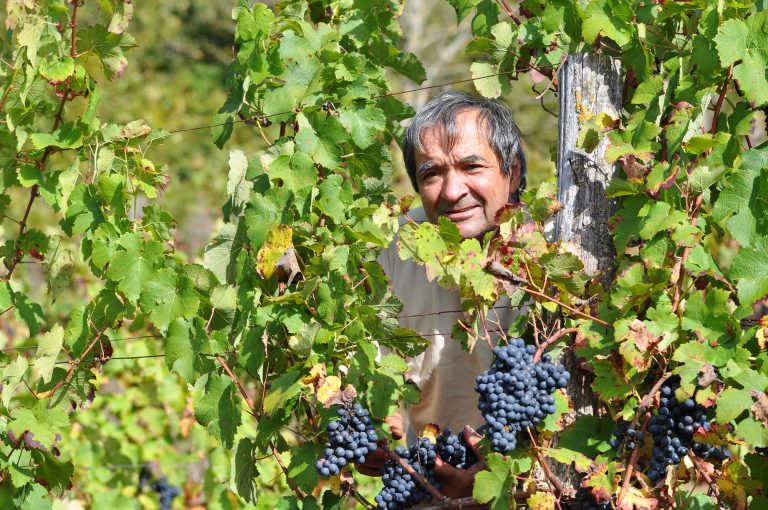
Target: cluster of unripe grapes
672,430
400,489
516,393
350,439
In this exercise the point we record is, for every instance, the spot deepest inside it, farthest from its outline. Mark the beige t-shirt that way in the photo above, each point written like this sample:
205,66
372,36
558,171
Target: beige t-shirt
445,373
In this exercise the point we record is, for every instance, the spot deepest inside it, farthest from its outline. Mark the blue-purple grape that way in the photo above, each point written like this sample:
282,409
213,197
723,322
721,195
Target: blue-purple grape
516,393
672,430
351,438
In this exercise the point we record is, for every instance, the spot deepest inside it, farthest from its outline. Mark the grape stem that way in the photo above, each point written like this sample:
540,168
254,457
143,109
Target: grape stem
632,460
551,340
34,192
444,500
75,363
720,99
556,483
501,272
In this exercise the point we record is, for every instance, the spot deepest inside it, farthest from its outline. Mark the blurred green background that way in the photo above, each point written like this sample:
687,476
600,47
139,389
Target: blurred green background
176,80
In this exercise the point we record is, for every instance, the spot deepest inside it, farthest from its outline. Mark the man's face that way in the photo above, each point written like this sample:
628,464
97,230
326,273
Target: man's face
464,183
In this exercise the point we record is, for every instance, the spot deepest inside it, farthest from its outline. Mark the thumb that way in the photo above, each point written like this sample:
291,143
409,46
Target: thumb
473,437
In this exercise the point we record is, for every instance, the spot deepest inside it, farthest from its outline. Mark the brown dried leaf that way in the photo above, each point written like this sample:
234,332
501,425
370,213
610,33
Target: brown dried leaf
760,407
642,338
343,397
707,375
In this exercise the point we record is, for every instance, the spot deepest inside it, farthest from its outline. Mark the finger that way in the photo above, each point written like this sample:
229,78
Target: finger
368,470
473,438
395,424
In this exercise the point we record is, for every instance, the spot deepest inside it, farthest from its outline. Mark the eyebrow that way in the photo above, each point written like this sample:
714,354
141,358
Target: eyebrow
428,165
424,167
473,158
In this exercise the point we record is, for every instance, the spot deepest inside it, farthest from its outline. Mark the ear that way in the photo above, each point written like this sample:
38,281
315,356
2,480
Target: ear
514,181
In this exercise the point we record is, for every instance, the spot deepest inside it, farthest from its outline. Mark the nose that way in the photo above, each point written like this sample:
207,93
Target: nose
454,187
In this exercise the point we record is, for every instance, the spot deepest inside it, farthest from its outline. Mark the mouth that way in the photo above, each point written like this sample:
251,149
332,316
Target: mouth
459,214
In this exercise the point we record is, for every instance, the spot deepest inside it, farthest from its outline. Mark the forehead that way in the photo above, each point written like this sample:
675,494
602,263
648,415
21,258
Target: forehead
469,136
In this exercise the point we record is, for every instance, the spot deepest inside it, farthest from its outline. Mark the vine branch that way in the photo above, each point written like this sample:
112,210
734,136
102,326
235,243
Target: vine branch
631,464
499,271
75,363
556,483
551,340
291,482
439,496
34,192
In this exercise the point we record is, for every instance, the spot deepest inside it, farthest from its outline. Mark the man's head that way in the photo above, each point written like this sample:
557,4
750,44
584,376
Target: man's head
464,156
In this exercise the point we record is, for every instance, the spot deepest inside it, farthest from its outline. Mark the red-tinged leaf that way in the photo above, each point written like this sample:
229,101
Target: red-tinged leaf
634,499
603,482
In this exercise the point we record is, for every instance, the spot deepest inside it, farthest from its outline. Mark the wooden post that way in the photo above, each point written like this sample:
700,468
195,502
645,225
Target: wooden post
588,84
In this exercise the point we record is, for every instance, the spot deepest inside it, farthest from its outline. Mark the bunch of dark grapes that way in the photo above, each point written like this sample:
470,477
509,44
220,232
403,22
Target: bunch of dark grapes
516,393
672,430
166,491
626,437
350,439
400,489
454,449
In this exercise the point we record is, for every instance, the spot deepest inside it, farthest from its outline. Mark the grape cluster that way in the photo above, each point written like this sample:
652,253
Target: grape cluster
516,393
400,489
166,491
672,430
626,437
454,449
350,439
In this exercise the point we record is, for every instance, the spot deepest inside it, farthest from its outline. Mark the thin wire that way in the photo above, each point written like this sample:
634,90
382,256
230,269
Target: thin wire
123,339
148,356
144,337
390,94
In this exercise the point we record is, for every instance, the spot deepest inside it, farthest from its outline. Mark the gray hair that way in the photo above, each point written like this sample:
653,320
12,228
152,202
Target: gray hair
503,134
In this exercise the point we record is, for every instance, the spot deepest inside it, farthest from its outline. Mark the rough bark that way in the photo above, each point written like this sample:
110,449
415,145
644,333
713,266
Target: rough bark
589,84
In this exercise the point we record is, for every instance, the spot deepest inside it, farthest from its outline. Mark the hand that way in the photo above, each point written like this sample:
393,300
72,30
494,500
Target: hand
374,462
458,483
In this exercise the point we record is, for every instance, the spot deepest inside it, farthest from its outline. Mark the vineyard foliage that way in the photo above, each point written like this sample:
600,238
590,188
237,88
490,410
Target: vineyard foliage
287,310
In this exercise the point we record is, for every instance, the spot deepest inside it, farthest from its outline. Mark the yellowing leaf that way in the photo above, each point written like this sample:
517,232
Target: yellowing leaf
430,431
316,375
635,500
541,501
278,241
328,389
